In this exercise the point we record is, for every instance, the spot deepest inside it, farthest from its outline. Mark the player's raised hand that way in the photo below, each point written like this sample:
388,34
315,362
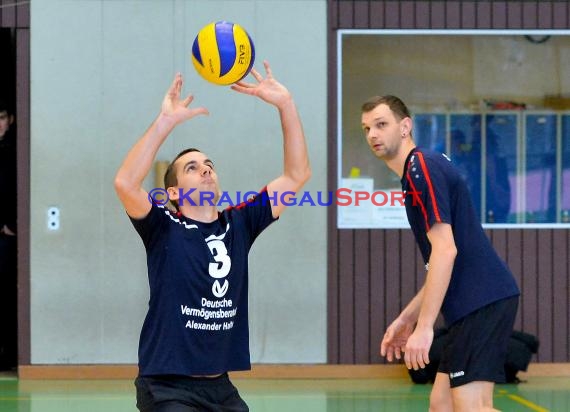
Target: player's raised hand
176,109
268,89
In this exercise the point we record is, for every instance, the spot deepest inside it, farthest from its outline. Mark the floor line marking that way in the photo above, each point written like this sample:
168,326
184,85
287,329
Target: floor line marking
527,403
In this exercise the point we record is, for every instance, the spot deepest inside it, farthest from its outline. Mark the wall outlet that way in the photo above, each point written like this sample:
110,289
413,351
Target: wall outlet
53,218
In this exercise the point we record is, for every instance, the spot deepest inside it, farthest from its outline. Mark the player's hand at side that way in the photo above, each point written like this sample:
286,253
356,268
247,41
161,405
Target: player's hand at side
417,348
268,89
178,110
395,339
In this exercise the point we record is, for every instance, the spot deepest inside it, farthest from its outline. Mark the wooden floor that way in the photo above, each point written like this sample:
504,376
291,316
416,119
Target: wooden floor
277,395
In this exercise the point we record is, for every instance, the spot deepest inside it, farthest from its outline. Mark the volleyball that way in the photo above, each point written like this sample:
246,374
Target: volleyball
223,53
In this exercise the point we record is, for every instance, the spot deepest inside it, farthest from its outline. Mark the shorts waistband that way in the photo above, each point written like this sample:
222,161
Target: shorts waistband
194,380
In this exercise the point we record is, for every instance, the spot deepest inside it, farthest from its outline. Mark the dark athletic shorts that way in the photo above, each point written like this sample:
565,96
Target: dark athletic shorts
174,393
476,345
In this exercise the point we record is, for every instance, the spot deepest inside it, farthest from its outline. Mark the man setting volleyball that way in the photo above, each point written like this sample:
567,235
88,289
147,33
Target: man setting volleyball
465,279
196,327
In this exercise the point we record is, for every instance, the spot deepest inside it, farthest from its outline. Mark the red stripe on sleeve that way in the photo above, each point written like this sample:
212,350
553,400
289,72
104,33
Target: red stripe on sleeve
430,186
418,199
247,201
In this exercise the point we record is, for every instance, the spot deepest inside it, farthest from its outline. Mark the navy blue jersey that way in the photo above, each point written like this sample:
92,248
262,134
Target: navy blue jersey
197,319
437,193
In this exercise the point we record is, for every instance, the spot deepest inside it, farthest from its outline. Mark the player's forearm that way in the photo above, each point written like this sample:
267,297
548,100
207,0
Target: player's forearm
412,310
140,158
435,288
296,159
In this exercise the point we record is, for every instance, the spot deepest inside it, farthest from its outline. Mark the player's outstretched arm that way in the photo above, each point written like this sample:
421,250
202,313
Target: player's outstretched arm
138,162
296,167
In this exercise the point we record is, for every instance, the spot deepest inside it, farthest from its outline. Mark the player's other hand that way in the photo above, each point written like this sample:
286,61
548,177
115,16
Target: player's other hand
417,348
268,89
395,339
175,109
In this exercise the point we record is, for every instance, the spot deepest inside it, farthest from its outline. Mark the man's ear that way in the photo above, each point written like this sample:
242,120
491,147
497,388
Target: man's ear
173,193
406,126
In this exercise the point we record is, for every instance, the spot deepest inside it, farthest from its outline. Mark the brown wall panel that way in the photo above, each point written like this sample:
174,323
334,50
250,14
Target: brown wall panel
377,292
333,285
499,239
499,13
23,15
539,258
346,295
7,13
23,172
514,15
544,15
16,16
423,16
393,276
377,11
560,296
437,15
453,10
407,16
392,16
514,260
333,288
529,284
544,293
361,15
560,18
345,15
468,14
483,15
408,266
530,15
362,296
420,265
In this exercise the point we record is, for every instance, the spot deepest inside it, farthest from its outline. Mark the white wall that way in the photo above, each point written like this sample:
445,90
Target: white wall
99,72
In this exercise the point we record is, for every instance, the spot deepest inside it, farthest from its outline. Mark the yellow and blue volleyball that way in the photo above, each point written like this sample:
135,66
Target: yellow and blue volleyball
223,53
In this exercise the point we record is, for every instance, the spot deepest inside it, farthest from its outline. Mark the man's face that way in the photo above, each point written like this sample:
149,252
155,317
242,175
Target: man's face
383,131
5,122
195,171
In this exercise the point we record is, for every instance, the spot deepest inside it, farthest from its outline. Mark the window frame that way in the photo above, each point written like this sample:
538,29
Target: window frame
342,224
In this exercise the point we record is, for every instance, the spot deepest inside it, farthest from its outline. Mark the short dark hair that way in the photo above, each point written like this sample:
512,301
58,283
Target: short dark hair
5,107
395,104
170,178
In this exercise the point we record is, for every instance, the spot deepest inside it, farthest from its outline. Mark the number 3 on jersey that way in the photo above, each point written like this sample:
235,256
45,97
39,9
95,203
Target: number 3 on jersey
221,268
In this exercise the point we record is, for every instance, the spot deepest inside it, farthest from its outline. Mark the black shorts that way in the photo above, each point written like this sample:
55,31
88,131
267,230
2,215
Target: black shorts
476,345
175,393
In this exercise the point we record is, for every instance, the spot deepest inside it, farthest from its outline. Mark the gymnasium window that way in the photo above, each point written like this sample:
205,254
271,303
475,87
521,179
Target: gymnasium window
497,104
